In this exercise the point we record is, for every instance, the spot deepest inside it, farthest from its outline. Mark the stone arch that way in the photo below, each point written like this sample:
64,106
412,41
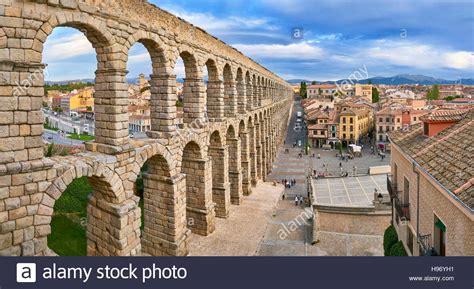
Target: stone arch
110,70
235,167
214,91
241,91
193,88
249,93
218,153
107,201
244,137
255,91
230,91
155,47
93,28
197,168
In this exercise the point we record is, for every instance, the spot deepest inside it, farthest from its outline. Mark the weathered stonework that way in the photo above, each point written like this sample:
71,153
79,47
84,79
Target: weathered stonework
226,144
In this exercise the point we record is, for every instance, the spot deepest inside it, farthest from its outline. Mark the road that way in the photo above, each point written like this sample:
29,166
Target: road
50,136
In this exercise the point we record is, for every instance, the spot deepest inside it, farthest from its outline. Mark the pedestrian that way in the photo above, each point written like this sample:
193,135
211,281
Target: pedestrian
296,200
319,156
301,200
340,164
283,196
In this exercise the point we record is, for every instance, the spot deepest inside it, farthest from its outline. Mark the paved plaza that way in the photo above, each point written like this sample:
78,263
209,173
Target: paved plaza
349,192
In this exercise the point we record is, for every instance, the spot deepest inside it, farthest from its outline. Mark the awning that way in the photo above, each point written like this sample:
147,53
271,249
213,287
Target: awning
440,226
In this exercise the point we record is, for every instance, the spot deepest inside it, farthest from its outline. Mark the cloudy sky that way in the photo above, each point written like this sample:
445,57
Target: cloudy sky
434,38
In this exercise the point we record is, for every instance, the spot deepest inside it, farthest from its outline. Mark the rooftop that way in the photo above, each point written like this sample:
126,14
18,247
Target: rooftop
447,156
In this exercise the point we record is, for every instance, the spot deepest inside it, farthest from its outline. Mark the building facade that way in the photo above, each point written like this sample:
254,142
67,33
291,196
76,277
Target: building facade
432,186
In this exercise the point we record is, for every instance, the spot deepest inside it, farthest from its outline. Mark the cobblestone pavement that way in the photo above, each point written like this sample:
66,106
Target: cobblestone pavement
241,233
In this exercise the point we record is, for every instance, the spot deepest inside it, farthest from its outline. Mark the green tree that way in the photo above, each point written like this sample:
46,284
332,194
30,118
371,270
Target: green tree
433,93
313,82
375,95
89,108
389,239
303,92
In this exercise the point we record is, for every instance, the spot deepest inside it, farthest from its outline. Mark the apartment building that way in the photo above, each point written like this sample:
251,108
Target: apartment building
432,184
390,119
354,125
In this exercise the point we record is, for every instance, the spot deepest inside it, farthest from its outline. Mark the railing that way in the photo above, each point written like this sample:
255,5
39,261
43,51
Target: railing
403,209
426,248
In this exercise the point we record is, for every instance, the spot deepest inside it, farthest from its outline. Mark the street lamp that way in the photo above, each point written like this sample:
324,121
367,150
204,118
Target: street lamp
379,196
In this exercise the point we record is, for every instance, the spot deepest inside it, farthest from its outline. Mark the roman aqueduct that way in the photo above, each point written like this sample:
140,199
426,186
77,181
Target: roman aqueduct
224,145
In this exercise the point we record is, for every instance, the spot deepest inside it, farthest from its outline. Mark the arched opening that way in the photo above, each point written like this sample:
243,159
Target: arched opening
139,90
245,155
255,91
241,91
230,92
190,90
69,220
235,168
214,91
249,93
163,219
200,212
68,102
252,151
220,177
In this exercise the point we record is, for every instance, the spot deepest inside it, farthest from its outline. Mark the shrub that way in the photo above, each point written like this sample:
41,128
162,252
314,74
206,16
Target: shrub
398,250
389,239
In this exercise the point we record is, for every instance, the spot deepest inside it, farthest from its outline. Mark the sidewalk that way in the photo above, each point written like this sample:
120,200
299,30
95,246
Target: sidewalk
241,233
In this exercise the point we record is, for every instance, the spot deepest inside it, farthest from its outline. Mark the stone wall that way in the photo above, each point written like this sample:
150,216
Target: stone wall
184,189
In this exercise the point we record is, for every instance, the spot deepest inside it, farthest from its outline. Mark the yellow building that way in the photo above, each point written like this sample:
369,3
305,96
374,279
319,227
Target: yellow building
354,125
364,90
78,100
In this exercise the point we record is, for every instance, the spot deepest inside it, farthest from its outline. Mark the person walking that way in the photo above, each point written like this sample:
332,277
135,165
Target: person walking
301,200
296,200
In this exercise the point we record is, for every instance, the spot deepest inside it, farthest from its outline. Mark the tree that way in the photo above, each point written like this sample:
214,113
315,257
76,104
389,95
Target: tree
433,93
313,82
369,82
89,108
303,92
320,91
375,95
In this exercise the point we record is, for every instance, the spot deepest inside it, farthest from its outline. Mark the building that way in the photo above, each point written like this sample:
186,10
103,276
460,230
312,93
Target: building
354,125
78,100
323,129
389,119
321,91
364,90
432,184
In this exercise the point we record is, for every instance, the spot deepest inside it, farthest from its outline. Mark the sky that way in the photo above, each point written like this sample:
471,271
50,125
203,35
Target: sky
308,39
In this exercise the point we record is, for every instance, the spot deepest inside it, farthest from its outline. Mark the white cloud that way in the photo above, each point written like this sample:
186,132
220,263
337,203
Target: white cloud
419,55
299,51
69,46
210,23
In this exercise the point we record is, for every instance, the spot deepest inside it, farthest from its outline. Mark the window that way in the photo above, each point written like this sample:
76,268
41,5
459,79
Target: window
343,120
380,128
352,136
380,119
343,127
352,128
398,119
351,120
387,129
380,137
387,119
315,132
322,132
414,118
439,236
344,136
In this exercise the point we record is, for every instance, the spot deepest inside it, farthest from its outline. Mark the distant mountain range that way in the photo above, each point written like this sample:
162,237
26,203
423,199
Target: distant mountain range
394,80
397,80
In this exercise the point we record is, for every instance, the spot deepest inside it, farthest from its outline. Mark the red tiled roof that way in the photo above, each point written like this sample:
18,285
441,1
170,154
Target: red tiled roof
445,115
